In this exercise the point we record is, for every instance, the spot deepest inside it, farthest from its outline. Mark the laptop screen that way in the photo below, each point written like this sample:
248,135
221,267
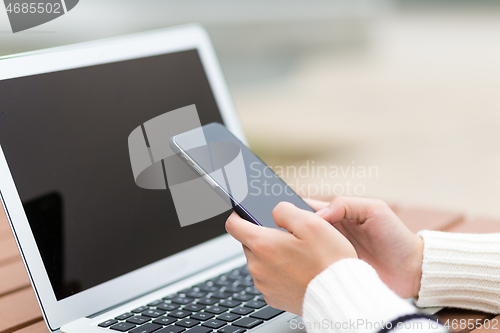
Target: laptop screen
64,135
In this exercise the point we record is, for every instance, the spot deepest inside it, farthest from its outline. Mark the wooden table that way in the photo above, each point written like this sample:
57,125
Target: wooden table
19,310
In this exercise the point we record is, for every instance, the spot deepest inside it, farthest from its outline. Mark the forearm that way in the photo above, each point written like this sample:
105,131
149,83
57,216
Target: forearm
350,297
460,270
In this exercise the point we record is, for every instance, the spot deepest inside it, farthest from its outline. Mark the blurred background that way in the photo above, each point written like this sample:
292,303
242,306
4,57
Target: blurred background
408,91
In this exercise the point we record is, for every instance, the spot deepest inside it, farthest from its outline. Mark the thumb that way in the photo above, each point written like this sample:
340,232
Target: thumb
298,221
350,208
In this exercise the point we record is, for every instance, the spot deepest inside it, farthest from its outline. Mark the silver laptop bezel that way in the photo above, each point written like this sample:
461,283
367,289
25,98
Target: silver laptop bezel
155,275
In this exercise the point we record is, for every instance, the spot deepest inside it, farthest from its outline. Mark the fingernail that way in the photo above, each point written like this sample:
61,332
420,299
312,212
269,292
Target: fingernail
322,211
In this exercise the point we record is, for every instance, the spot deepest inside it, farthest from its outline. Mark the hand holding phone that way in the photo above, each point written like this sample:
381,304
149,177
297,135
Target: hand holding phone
231,169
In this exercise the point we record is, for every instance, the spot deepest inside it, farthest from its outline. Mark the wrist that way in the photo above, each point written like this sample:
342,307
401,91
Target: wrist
348,291
417,265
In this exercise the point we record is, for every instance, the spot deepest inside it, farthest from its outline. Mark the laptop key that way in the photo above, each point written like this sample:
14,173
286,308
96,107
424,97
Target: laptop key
214,323
253,291
122,327
171,329
138,320
187,323
179,313
148,328
243,297
196,294
222,283
153,313
108,323
155,303
248,322
246,283
216,309
164,320
124,316
209,289
234,289
207,301
230,303
237,274
260,298
228,276
202,316
199,329
167,306
267,313
255,304
228,317
221,294
194,307
140,309
231,329
169,296
241,310
182,300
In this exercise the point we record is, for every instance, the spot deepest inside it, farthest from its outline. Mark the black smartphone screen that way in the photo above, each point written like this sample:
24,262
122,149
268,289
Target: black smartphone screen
259,188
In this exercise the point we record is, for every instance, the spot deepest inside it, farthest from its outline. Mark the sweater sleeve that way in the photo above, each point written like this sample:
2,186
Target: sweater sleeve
349,296
460,270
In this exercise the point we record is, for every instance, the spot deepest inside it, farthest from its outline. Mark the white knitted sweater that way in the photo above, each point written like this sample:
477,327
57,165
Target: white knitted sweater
461,271
458,270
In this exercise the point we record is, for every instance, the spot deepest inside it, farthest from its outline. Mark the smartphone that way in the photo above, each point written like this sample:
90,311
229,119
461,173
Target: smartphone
235,173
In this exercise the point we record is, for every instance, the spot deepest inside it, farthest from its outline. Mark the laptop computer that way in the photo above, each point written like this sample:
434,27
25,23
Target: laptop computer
103,254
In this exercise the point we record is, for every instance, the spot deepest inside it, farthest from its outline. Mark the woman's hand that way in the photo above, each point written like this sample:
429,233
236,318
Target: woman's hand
380,239
283,263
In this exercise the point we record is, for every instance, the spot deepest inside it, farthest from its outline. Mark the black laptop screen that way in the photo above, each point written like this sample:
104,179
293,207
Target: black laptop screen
64,135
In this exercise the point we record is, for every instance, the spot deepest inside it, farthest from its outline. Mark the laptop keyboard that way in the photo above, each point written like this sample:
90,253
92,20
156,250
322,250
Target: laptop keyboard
229,303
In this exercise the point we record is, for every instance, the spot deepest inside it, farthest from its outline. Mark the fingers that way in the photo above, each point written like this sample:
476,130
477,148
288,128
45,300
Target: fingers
351,208
298,221
243,231
255,238
316,204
